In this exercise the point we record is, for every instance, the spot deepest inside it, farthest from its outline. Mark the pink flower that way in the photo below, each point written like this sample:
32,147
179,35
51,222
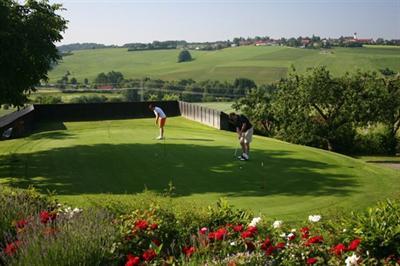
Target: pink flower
132,260
149,254
188,251
141,224
354,244
311,261
338,249
203,230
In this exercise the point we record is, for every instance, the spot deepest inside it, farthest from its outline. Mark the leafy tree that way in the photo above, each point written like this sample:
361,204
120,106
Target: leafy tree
320,110
171,97
89,99
257,106
101,79
390,109
27,35
131,95
184,56
73,81
86,81
243,84
48,99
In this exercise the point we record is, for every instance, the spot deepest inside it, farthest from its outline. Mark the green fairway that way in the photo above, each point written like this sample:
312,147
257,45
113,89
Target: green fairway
262,64
100,160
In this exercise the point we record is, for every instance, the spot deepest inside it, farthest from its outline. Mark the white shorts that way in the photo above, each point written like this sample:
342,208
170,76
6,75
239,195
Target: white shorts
247,136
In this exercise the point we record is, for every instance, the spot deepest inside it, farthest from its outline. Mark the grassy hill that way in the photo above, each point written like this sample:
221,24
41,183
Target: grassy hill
263,64
106,160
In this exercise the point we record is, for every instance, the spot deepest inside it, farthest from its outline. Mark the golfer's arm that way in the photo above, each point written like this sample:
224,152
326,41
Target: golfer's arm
243,127
157,117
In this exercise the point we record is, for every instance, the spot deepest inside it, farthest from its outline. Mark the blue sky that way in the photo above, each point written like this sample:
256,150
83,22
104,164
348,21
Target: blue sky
123,21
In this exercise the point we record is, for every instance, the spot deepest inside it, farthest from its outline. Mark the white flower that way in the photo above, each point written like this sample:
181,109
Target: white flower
353,260
293,230
255,221
344,230
76,210
283,235
233,243
277,224
314,218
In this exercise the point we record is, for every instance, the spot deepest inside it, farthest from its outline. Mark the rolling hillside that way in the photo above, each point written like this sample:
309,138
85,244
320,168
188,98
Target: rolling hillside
263,64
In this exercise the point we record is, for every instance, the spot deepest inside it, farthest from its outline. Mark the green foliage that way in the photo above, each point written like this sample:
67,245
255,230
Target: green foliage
48,99
184,56
113,78
257,106
89,99
320,110
131,95
171,97
27,35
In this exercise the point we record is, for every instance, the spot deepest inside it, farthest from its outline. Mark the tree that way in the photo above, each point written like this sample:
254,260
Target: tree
27,35
184,56
131,95
320,110
243,84
73,81
257,106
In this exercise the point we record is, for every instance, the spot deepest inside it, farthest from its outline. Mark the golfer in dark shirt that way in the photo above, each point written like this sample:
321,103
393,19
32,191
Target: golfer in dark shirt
244,130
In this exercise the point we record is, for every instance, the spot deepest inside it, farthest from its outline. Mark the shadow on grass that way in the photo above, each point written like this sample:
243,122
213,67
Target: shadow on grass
384,161
193,169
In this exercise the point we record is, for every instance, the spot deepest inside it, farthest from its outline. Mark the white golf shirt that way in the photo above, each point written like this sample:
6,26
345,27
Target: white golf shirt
160,112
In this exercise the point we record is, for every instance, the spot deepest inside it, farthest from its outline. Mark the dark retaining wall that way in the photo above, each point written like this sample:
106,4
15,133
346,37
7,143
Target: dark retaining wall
101,111
23,122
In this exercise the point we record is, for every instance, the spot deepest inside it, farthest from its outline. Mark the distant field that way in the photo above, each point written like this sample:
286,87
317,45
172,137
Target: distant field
263,64
67,97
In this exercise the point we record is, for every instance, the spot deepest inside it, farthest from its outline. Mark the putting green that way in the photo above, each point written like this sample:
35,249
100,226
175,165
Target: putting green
100,160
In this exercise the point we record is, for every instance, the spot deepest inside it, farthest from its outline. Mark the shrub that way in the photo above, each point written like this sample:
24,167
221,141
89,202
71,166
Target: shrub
89,99
184,56
48,99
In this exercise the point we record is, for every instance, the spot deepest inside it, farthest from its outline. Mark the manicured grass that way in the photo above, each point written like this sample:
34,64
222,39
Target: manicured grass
105,160
263,64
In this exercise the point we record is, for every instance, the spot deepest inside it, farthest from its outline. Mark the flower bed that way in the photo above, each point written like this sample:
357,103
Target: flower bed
219,235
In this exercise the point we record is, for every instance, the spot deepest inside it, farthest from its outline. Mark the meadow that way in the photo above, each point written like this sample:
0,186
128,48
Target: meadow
96,162
262,64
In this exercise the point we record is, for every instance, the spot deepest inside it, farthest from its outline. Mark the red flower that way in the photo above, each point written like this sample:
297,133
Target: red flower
238,228
266,244
339,249
188,251
211,235
305,232
149,254
280,245
156,242
311,261
252,229
269,250
132,260
247,234
203,230
314,240
11,248
354,244
154,226
221,233
292,236
141,224
46,216
21,223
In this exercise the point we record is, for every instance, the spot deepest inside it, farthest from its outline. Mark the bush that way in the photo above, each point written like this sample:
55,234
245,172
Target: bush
89,99
48,99
131,95
184,56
